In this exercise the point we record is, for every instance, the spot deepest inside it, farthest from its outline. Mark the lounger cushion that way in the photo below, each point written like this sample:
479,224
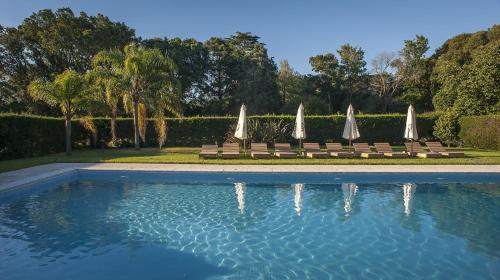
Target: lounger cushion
372,155
317,155
285,154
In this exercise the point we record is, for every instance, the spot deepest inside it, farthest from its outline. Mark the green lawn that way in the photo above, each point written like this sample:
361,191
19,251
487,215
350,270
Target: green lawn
190,155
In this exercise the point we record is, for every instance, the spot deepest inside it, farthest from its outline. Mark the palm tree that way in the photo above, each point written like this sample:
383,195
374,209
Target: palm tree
108,81
151,81
67,90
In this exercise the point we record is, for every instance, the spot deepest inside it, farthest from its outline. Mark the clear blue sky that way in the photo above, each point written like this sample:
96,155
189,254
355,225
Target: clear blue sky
293,29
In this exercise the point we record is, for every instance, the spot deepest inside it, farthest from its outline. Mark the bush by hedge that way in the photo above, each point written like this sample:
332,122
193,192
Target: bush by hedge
24,136
481,131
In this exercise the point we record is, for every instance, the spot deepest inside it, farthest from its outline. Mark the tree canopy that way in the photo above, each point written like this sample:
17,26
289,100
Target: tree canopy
215,76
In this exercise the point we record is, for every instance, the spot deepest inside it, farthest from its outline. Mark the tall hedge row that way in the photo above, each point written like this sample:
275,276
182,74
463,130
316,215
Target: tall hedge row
24,136
481,131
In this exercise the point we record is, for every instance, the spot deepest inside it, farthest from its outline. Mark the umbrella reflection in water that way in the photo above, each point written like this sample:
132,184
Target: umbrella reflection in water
240,195
408,191
299,188
349,190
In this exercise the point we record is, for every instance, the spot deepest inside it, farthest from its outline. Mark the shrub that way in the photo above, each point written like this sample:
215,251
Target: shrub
25,136
446,127
481,131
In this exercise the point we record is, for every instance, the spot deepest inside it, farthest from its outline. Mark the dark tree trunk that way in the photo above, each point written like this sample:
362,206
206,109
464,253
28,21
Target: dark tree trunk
113,124
68,134
136,124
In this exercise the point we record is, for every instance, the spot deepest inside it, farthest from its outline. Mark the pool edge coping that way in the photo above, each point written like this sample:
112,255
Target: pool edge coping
22,178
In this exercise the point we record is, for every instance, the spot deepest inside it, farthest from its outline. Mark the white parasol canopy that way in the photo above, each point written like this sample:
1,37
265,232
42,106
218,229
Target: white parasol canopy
241,128
411,125
351,131
299,132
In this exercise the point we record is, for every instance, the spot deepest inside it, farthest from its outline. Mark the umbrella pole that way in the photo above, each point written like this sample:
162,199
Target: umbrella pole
411,148
245,147
300,147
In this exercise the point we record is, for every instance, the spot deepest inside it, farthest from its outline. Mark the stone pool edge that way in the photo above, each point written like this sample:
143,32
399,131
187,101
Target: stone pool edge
27,176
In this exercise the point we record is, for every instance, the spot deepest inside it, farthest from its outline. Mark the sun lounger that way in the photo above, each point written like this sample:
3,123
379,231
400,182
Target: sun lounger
386,150
312,150
259,150
336,150
437,147
365,151
283,150
209,151
414,149
230,150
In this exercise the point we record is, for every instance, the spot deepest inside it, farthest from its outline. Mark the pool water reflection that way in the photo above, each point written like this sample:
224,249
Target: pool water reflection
104,228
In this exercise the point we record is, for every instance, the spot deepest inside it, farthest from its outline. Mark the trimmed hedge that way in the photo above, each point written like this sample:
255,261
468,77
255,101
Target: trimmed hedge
25,136
481,131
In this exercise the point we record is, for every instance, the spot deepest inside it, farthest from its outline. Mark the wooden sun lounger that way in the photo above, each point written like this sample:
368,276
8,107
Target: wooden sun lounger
437,147
336,150
230,150
415,149
259,150
365,151
283,150
386,150
209,151
312,150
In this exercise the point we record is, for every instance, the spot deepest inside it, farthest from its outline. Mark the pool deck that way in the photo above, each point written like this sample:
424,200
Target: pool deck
32,174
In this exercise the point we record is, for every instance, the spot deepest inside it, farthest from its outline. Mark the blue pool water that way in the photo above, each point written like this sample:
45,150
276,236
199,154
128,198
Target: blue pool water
118,225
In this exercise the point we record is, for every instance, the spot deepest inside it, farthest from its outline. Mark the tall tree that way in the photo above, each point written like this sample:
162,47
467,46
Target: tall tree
352,69
415,69
384,78
47,43
255,77
150,76
288,82
328,67
191,58
453,64
67,91
108,83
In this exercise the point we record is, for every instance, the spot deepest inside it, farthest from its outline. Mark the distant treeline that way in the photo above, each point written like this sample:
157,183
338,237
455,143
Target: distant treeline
218,75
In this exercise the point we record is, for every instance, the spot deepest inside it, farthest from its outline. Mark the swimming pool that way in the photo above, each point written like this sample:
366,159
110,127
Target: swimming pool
147,225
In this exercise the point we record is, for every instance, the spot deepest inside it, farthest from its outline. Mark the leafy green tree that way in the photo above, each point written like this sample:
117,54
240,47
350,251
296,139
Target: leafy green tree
479,91
352,69
108,83
151,79
289,82
239,71
415,70
67,90
191,58
328,68
256,79
467,71
46,44
447,126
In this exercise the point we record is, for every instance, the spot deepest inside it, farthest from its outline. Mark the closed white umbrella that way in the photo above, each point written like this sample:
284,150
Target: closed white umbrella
241,128
411,127
351,131
299,132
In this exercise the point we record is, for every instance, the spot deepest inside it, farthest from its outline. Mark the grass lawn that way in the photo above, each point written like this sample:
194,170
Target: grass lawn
190,155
